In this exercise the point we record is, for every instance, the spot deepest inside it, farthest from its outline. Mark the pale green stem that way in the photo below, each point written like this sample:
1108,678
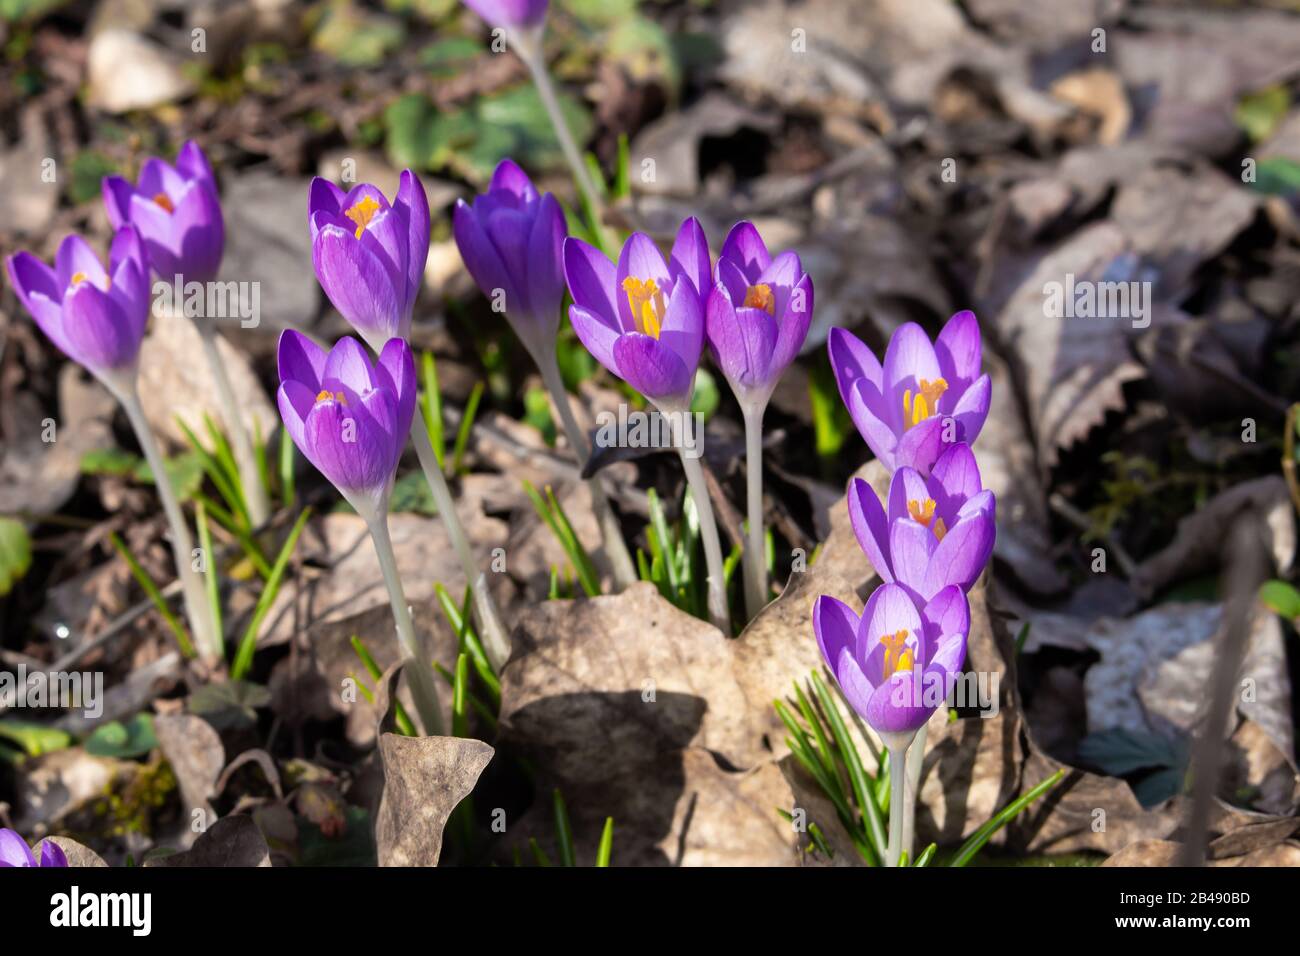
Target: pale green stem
193,593
250,476
915,759
755,556
418,669
897,784
611,534
719,615
528,47
490,629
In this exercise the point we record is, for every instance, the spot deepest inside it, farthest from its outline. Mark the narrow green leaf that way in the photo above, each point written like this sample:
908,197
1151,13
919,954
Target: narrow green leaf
244,656
431,406
926,856
1002,818
466,423
606,847
459,712
563,831
287,489
857,775
146,583
211,577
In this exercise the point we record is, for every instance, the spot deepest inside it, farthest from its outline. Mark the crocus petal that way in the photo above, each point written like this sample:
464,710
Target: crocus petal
871,527
348,363
14,850
509,178
75,256
898,705
857,687
117,194
955,476
852,361
38,289
908,359
746,249
324,196
921,445
910,547
592,280
690,256
683,325
880,438
510,13
191,163
945,614
546,268
640,259
413,202
794,322
740,340
959,557
161,241
836,627
98,335
295,401
480,255
596,335
396,372
972,408
906,485
889,610
159,177
651,367
52,854
299,359
780,276
958,350
358,284
347,447
198,233
948,657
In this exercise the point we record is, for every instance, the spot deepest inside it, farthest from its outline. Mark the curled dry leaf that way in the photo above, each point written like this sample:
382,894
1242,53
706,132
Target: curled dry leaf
196,756
78,854
231,841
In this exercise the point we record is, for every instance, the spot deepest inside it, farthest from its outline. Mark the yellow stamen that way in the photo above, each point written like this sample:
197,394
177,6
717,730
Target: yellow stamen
898,656
647,302
760,297
917,407
78,277
325,395
164,200
362,213
921,512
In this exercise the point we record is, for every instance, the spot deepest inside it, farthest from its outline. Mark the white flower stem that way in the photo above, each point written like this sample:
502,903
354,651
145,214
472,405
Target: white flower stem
719,615
611,534
528,47
193,592
755,556
418,669
897,784
490,629
915,759
250,476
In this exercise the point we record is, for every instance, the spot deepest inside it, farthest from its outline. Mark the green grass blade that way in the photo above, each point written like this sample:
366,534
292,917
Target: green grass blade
216,473
259,456
431,406
563,831
244,656
146,583
1001,819
538,853
857,775
606,848
926,856
288,491
459,711
211,578
466,423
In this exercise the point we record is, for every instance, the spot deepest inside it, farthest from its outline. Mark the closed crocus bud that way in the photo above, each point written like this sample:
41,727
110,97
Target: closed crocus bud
349,417
510,14
643,319
512,242
95,316
178,213
924,398
897,662
15,852
369,254
935,531
757,313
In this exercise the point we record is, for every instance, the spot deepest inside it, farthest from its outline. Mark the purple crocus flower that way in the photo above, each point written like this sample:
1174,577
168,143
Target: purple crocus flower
896,662
178,213
15,852
643,319
96,317
757,313
510,13
369,255
349,417
512,241
924,398
935,532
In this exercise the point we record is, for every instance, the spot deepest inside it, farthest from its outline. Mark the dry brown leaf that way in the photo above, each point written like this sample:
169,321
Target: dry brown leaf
233,841
78,854
196,756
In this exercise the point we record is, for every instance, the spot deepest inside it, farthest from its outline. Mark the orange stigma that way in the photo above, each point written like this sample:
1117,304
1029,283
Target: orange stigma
648,306
325,395
362,213
79,277
760,297
162,199
923,513
917,408
898,656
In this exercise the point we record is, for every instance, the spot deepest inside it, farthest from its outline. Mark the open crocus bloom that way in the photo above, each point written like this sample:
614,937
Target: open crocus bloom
15,852
369,255
178,213
512,240
924,398
348,417
643,319
757,313
896,663
510,13
935,532
95,316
